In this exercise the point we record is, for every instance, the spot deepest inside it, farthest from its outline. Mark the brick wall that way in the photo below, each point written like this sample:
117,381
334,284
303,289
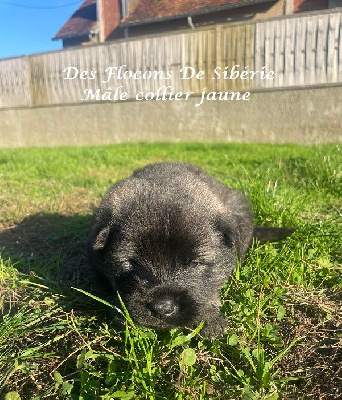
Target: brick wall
110,16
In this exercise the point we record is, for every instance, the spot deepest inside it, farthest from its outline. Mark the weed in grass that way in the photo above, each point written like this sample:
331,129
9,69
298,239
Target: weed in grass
136,373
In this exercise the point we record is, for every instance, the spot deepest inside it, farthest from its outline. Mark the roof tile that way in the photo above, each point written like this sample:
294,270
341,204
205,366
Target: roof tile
81,22
141,10
84,19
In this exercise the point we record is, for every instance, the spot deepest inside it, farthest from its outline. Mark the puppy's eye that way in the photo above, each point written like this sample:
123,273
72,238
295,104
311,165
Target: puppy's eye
135,264
141,272
193,264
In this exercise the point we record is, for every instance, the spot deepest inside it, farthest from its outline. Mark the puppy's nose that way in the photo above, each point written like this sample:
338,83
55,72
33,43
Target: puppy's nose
163,307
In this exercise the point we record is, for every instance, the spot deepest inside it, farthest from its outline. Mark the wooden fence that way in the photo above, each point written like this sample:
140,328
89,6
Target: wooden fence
302,50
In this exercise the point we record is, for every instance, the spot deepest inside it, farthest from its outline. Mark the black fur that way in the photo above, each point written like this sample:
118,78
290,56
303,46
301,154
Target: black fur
167,239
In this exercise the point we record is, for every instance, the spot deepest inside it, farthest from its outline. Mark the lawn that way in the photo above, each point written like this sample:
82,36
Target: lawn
58,339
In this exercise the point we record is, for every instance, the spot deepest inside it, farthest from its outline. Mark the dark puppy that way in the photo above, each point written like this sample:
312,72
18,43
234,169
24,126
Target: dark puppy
167,239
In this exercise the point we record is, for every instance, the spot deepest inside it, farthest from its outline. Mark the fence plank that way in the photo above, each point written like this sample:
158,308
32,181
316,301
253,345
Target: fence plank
14,83
310,52
279,53
339,50
332,52
321,59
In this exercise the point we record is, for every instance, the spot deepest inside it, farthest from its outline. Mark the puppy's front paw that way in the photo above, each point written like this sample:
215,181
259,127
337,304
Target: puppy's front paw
214,324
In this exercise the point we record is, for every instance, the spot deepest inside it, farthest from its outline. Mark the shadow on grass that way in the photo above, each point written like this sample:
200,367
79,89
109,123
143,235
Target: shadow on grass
50,249
40,310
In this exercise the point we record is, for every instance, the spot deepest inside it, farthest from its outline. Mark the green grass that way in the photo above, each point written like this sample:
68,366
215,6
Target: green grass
283,303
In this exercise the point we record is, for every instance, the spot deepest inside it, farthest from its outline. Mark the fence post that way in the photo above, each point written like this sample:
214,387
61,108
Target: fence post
30,88
219,54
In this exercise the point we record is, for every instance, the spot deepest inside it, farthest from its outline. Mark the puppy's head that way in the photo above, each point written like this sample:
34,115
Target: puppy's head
167,259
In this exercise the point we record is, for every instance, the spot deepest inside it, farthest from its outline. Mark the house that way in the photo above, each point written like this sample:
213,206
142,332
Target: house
106,20
81,27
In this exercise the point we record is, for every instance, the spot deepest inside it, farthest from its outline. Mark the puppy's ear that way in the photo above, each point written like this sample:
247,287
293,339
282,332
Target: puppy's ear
101,238
266,234
224,228
235,233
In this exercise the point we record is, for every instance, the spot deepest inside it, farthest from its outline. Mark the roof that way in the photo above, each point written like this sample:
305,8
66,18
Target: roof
144,11
81,22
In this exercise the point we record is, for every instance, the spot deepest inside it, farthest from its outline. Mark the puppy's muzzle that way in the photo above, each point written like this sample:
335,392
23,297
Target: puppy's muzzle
173,305
163,307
